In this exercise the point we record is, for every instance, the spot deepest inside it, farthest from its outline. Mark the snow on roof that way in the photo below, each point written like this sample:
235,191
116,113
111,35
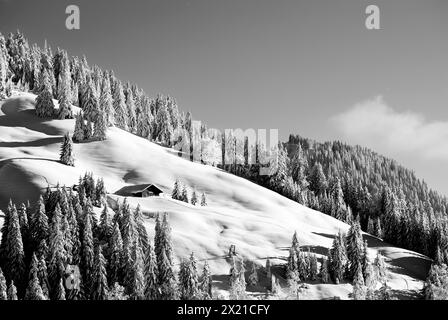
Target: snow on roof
137,188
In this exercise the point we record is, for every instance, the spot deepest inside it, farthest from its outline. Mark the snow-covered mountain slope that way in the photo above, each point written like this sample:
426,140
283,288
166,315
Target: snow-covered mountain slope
258,221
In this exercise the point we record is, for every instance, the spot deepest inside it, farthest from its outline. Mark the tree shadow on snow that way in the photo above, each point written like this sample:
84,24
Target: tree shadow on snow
34,143
15,117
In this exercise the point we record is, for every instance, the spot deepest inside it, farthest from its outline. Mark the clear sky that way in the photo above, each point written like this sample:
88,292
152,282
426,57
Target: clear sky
307,67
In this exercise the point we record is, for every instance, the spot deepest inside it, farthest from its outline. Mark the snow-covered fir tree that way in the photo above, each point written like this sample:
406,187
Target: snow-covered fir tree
3,287
44,100
66,156
119,104
64,94
151,284
78,134
99,285
203,200
194,198
106,102
206,282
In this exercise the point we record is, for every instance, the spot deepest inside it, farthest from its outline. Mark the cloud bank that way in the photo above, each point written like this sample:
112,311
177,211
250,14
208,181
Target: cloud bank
376,125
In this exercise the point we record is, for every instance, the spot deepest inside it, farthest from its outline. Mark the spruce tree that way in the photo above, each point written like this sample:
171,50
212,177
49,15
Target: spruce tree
65,108
313,267
324,272
12,291
119,106
60,291
130,106
87,261
176,194
194,198
99,286
67,151
381,267
253,277
184,195
292,264
164,253
106,103
337,259
90,101
151,285
57,254
359,289
206,282
142,234
78,134
116,258
34,290
15,254
354,249
100,124
3,287
317,179
44,100
203,200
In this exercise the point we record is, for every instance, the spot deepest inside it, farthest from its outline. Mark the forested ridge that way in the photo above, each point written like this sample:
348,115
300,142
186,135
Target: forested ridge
350,183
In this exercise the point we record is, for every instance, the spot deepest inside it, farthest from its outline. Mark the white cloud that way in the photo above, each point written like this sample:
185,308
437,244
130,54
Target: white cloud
374,124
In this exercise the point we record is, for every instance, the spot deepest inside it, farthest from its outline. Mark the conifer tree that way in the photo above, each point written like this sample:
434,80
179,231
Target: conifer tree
3,287
299,165
34,290
142,234
134,279
378,230
99,276
176,194
354,248
116,258
151,285
237,281
15,255
87,252
194,198
43,276
365,259
184,195
106,102
313,267
44,100
188,279
60,291
130,105
359,290
90,101
253,277
105,228
324,272
100,124
67,151
57,254
119,106
203,200
65,108
292,264
206,282
12,291
381,267
337,259
78,134
317,179
163,250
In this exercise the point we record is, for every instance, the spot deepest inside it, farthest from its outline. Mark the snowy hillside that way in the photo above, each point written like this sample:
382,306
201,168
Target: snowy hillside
259,222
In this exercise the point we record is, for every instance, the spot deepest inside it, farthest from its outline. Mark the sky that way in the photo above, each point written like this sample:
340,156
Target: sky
304,67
